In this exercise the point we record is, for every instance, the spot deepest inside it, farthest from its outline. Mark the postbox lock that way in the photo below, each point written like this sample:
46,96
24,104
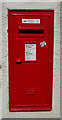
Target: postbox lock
18,61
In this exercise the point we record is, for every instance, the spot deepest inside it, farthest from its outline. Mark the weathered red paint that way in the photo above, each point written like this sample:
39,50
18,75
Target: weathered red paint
30,82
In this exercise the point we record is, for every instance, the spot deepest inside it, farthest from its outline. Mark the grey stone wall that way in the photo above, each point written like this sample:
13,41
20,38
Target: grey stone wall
55,113
61,60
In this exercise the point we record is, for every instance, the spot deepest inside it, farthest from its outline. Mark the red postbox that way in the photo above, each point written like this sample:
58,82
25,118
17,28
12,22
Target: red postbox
30,46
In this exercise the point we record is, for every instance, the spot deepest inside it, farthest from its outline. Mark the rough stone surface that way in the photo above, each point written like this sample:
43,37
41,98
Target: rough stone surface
55,113
61,60
0,60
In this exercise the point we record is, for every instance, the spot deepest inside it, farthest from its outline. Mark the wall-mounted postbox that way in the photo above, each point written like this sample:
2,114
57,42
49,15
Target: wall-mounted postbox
30,46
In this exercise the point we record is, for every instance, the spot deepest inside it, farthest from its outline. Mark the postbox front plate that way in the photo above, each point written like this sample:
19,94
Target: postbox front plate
30,46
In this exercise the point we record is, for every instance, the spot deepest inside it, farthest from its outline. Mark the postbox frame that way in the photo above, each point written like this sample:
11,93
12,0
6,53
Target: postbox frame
11,13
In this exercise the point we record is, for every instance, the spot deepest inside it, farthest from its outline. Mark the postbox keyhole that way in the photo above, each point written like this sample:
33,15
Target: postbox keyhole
18,61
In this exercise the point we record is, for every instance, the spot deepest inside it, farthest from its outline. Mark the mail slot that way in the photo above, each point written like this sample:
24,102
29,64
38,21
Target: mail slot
31,33
30,49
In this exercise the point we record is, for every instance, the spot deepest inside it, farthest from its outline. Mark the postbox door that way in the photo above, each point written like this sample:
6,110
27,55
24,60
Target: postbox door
31,59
